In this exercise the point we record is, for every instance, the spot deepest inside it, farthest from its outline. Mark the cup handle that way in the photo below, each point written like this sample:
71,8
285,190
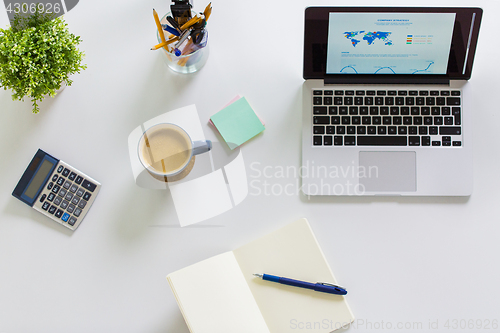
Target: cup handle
200,147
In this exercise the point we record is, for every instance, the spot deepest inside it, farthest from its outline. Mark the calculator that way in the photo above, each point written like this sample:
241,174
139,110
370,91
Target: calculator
57,190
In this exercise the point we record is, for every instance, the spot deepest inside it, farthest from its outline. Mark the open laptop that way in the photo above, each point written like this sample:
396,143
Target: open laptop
385,101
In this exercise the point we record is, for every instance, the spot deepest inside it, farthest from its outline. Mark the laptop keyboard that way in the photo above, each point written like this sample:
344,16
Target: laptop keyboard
387,118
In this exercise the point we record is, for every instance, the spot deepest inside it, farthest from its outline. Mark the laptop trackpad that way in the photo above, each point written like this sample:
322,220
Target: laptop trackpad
388,171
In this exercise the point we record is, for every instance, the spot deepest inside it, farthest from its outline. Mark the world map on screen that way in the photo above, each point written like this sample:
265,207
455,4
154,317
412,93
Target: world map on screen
371,36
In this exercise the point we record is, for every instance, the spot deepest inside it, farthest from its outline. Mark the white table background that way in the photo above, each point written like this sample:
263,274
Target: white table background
404,261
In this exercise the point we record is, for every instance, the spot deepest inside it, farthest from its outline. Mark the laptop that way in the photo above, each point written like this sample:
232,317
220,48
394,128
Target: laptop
385,101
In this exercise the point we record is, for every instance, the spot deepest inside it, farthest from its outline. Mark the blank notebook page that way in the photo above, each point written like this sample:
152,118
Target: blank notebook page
292,252
214,297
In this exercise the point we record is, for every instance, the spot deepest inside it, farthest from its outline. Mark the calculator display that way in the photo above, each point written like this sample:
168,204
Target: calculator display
39,178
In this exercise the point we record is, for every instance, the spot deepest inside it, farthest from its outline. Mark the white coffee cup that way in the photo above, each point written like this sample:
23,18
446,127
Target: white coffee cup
165,150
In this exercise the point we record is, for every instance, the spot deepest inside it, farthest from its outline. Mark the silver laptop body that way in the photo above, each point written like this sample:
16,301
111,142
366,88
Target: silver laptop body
340,157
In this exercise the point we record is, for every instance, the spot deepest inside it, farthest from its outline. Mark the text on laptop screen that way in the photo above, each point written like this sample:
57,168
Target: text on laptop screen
389,43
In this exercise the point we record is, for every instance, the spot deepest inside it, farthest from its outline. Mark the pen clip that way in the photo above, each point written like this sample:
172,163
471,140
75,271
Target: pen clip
330,285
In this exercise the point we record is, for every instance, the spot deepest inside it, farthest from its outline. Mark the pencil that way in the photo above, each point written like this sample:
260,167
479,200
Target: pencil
158,25
169,50
208,11
163,44
192,21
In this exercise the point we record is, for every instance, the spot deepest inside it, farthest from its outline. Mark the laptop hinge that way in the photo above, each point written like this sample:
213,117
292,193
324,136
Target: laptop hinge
355,79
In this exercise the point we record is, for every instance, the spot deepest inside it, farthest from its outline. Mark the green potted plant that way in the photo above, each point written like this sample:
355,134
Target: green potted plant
37,56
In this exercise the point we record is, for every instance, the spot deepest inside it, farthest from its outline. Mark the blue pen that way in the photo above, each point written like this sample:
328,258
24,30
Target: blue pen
319,286
170,29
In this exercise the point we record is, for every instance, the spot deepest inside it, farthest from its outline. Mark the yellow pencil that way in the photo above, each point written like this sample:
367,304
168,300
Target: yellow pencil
163,44
208,11
158,25
192,21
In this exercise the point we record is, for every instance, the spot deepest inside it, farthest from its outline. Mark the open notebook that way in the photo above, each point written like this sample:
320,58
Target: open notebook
220,294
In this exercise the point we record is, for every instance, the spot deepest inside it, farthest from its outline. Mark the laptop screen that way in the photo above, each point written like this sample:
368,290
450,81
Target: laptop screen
390,44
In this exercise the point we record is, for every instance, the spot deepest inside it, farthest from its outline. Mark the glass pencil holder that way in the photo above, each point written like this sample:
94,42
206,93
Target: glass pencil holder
191,58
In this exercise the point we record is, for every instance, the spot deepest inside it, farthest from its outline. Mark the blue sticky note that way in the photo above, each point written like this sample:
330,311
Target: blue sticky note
237,123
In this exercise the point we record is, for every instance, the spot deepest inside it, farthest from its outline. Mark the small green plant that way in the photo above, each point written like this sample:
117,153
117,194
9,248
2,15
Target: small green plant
37,55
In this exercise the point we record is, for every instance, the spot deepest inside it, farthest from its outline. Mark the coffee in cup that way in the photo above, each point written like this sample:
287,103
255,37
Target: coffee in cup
166,149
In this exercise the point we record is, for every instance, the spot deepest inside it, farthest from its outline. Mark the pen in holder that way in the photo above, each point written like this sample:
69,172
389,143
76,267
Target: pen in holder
187,50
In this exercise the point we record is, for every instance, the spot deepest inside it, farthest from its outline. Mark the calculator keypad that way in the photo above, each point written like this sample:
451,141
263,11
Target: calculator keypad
72,220
88,185
65,217
55,189
77,212
75,200
67,196
64,204
57,201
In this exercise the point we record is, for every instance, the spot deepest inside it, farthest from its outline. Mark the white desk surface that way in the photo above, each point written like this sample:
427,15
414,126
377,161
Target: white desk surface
404,261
